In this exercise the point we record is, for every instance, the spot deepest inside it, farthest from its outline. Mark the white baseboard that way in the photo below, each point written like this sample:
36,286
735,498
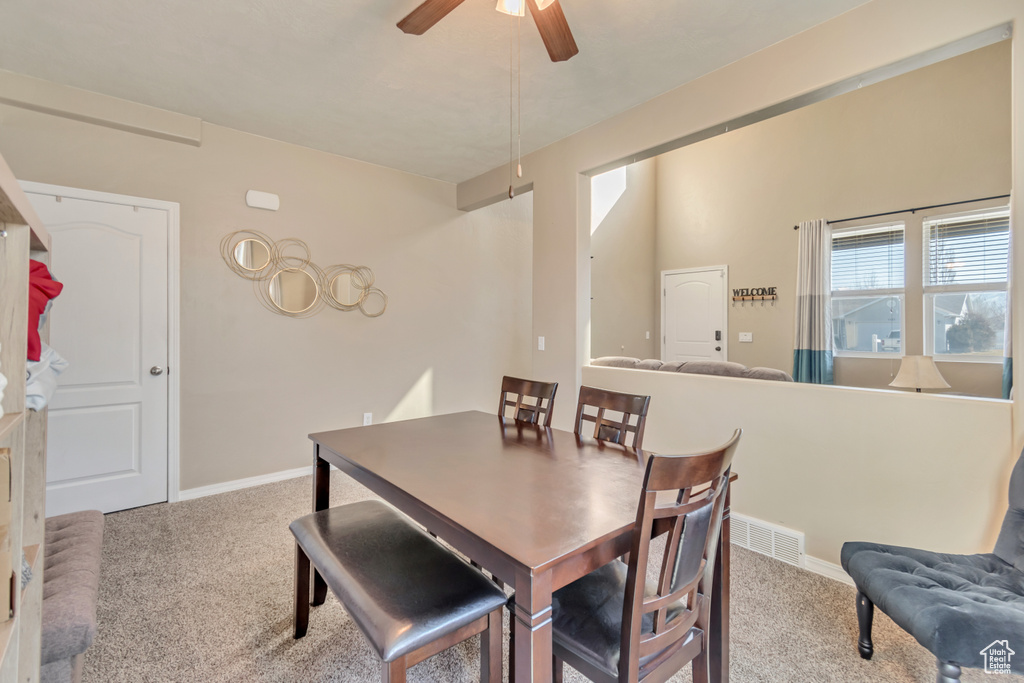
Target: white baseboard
224,487
827,569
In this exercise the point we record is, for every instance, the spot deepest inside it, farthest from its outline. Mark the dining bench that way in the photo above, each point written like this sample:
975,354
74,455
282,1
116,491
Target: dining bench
71,577
410,596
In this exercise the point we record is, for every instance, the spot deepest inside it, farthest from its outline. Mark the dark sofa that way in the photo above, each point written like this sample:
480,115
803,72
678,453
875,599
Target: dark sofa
694,367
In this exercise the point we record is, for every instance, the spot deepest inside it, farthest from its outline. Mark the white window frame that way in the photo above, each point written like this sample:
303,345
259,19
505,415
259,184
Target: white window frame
899,293
930,291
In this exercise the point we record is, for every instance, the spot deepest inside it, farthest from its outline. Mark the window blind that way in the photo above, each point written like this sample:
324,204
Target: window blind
868,258
968,249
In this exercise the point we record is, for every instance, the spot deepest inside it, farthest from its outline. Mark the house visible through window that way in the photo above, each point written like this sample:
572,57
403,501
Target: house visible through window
965,284
868,290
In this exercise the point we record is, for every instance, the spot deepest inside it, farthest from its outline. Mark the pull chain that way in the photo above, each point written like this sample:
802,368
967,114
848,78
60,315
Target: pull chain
519,96
515,148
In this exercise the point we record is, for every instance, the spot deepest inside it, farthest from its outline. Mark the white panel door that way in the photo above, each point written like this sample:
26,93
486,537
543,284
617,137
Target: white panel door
107,436
694,314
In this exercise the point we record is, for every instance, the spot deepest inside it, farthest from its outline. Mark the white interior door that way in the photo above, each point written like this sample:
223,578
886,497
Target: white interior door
108,423
693,314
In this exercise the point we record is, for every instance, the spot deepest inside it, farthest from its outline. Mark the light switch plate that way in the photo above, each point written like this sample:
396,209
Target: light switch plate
746,336
540,343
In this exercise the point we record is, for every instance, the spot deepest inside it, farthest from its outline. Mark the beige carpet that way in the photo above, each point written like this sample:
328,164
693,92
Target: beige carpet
201,591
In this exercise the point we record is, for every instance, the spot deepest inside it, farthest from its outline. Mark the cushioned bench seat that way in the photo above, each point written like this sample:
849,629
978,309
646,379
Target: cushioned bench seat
71,577
403,589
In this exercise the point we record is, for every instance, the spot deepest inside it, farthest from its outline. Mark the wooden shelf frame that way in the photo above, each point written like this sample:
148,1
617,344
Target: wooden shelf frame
9,422
23,432
15,208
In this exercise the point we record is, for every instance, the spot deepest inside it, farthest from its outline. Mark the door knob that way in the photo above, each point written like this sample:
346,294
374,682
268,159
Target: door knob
156,370
717,348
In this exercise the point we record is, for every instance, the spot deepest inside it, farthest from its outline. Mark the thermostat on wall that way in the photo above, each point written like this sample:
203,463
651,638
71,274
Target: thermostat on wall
262,200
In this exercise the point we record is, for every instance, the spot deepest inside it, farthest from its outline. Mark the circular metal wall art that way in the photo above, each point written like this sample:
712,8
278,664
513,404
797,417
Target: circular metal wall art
248,254
287,282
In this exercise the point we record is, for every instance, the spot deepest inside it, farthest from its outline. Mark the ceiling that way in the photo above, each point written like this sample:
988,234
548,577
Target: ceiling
340,77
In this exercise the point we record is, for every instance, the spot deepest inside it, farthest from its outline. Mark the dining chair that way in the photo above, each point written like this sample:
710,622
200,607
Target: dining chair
607,428
408,594
612,624
515,391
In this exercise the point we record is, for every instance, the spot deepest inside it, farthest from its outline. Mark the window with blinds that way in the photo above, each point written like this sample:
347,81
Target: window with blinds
867,289
865,259
965,281
968,249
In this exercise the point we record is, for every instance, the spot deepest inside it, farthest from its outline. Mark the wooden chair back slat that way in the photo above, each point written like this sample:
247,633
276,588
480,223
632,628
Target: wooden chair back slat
542,393
613,430
698,482
661,641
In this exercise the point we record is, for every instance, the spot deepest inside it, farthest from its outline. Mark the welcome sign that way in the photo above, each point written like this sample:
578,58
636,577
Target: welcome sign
761,294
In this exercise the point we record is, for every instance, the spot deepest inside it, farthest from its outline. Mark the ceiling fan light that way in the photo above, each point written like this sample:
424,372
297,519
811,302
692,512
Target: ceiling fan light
515,8
544,4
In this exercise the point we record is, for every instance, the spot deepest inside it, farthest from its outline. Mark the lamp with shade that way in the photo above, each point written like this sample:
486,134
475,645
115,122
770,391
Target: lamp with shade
919,372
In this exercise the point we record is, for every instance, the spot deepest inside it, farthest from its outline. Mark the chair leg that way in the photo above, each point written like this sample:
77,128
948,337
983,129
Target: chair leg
948,673
393,672
319,589
865,616
301,618
490,649
557,670
700,664
511,640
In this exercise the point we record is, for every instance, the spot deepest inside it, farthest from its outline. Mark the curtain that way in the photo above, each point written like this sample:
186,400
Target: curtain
812,353
1007,331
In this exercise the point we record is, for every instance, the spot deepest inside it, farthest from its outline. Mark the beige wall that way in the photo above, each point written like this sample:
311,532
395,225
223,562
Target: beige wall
254,384
838,463
624,285
879,33
936,135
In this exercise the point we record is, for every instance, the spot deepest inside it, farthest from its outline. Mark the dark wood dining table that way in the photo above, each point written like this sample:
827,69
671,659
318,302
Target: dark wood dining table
537,507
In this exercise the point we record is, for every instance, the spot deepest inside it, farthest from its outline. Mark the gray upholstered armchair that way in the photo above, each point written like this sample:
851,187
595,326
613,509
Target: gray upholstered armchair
968,610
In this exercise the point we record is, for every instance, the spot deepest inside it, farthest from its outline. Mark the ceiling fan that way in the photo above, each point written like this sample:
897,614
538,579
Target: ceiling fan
547,14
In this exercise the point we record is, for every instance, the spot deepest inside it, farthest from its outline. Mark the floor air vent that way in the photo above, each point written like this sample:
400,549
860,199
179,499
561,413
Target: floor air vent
768,539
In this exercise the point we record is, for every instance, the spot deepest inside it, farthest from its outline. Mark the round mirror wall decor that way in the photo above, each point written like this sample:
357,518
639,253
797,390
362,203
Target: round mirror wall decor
287,282
346,291
293,292
248,254
252,255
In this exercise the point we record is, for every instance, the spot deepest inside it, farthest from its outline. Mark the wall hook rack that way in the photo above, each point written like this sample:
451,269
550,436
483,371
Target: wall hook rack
761,298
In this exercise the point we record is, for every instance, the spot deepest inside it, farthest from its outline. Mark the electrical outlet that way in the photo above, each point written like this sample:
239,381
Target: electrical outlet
540,343
648,335
367,419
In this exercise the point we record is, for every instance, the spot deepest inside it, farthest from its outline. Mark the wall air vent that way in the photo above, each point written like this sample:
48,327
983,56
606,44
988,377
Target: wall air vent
768,539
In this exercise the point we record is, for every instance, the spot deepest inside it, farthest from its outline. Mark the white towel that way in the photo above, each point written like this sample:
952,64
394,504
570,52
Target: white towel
42,378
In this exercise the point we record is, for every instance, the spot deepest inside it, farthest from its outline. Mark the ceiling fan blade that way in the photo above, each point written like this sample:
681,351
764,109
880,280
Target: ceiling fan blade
426,15
554,31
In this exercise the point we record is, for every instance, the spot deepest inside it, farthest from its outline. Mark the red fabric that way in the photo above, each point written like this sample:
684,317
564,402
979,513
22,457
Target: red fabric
41,288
